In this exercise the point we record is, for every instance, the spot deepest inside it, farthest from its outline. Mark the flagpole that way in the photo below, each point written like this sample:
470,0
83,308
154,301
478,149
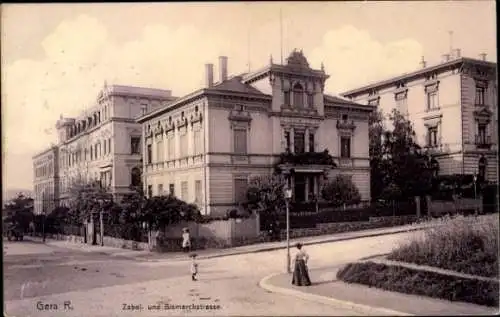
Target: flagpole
281,35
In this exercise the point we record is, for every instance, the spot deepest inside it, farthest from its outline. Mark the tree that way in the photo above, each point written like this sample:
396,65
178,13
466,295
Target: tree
396,159
19,211
266,194
376,132
341,191
87,199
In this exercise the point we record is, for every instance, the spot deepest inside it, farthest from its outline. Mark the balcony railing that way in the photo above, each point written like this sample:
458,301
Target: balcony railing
307,158
483,141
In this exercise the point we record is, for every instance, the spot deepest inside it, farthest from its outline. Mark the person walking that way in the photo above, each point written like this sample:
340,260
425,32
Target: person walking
186,240
300,272
194,267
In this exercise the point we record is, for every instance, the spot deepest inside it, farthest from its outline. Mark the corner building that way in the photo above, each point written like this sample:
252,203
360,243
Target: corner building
104,142
453,107
205,146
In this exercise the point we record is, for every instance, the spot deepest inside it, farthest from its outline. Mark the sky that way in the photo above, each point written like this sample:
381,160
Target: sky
56,57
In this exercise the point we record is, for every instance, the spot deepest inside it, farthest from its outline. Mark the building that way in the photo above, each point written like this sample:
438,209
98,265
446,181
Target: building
103,143
45,180
205,146
453,107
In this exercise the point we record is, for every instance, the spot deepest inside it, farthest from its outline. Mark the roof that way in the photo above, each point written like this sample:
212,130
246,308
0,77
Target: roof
416,74
341,101
40,153
234,84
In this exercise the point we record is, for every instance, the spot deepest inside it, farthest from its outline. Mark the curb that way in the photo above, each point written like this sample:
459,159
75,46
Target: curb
364,309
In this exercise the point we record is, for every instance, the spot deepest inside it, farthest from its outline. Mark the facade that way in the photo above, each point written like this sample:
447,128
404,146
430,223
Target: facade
454,110
45,180
104,142
205,146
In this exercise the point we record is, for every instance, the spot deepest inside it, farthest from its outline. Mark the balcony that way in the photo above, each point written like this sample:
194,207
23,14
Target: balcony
483,142
346,125
307,158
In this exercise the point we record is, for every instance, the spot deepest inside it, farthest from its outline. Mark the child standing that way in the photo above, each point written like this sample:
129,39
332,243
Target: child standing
194,267
186,240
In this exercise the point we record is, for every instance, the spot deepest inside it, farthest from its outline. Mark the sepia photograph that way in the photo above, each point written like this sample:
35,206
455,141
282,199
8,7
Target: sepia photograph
260,158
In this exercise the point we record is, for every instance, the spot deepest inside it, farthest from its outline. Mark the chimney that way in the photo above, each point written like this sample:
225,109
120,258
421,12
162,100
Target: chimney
458,53
423,63
446,58
483,56
222,68
143,109
209,75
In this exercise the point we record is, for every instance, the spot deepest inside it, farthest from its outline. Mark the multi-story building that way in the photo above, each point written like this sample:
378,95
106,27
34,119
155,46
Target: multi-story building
204,146
453,107
104,142
46,180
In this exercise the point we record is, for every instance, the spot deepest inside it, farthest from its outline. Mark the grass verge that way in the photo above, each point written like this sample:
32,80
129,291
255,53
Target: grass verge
463,244
415,282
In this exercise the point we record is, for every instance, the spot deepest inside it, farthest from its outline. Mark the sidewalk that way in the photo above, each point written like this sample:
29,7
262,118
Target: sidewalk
327,289
253,248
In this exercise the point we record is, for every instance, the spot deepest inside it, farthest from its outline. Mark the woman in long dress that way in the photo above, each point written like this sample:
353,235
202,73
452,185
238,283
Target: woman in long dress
300,272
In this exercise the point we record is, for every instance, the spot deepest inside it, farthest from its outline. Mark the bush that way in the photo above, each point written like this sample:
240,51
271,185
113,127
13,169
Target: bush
467,245
411,281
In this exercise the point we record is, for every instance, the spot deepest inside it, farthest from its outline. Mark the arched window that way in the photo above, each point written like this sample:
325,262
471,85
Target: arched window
298,95
135,176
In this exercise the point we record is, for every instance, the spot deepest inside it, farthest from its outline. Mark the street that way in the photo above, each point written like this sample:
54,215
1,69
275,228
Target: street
44,280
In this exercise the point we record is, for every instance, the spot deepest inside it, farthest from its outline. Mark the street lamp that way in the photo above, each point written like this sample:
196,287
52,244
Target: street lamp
288,196
475,193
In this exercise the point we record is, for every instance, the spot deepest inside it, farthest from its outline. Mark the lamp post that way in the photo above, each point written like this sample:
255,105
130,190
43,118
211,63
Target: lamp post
475,193
288,196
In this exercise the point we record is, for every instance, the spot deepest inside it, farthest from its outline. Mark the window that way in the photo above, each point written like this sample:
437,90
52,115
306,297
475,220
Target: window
109,145
286,98
401,102
298,139
96,155
197,191
311,141
480,94
481,137
171,148
135,143
105,147
298,96
432,136
287,141
310,100
184,191
197,142
345,147
150,191
183,144
345,117
159,151
150,154
171,189
432,100
240,190
160,189
240,141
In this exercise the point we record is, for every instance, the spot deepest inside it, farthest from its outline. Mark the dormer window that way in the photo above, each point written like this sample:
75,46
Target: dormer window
298,95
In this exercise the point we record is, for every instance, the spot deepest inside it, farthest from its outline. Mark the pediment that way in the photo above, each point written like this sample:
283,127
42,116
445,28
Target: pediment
483,112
